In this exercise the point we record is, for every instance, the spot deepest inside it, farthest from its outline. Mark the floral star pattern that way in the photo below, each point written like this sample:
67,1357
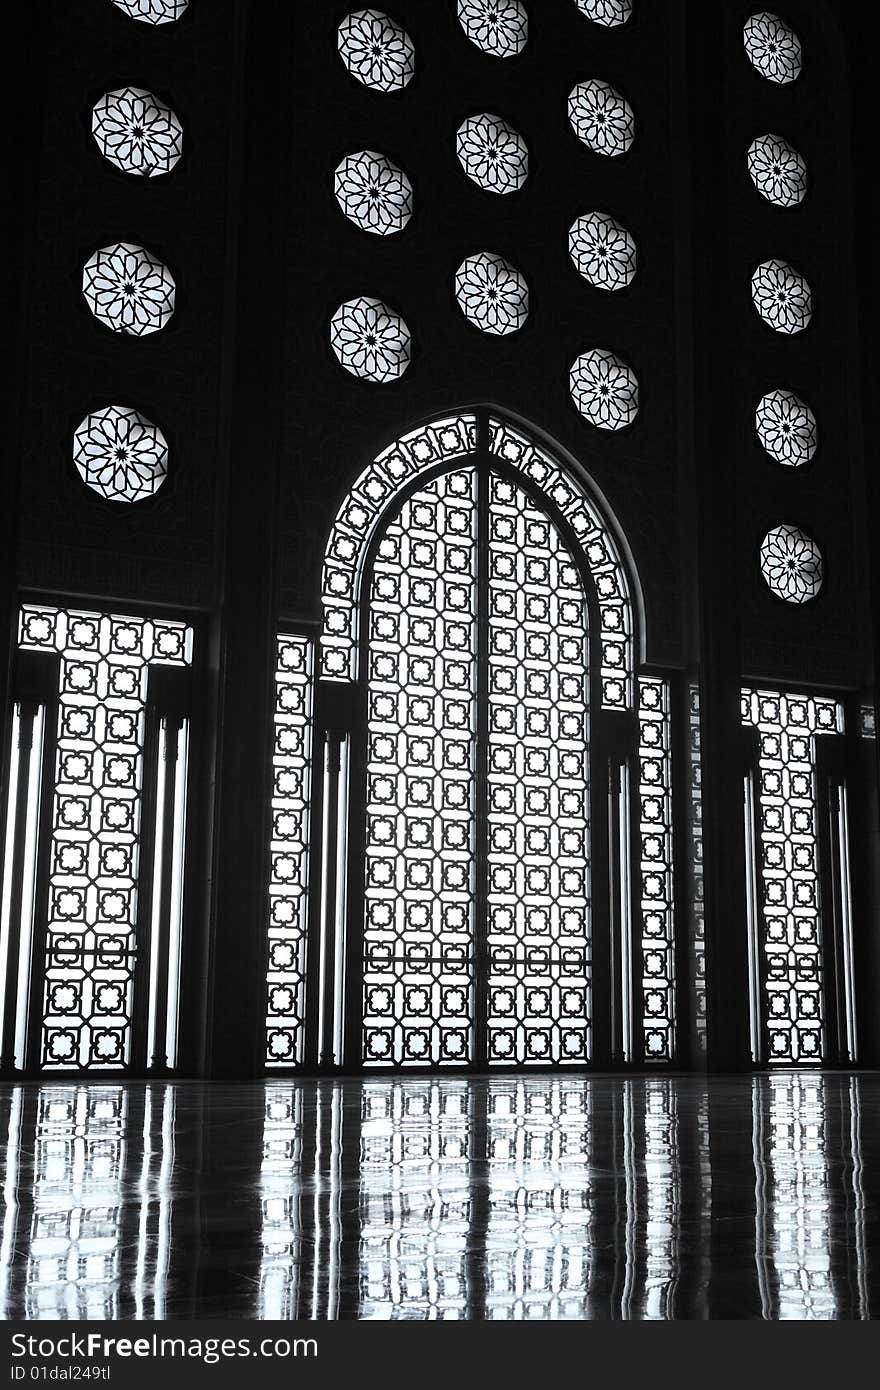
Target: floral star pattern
777,171
120,454
603,251
128,289
609,13
373,193
370,340
601,118
492,153
376,51
499,27
137,132
604,389
492,293
782,297
786,428
153,11
791,563
772,48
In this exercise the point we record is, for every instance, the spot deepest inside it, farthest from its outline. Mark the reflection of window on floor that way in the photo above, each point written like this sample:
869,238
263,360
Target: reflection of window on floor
100,731
415,1200
93,1222
539,1251
793,1229
281,1197
79,1167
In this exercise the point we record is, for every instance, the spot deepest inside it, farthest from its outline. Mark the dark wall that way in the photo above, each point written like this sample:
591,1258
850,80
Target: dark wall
171,548
163,549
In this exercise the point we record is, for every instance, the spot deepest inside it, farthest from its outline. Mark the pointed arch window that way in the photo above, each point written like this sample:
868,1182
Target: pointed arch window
494,775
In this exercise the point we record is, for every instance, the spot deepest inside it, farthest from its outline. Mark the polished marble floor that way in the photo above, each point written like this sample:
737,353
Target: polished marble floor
542,1197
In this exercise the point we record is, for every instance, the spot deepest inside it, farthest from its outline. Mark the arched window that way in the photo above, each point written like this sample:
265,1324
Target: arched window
490,755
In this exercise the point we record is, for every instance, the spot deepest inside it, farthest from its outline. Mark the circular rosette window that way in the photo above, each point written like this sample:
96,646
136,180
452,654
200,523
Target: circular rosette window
786,428
603,251
791,563
609,13
782,297
601,118
373,193
137,132
492,294
376,50
128,289
492,153
370,340
120,454
497,27
604,389
772,48
777,171
153,11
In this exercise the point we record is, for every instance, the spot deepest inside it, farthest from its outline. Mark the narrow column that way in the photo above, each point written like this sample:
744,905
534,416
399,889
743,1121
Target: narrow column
248,618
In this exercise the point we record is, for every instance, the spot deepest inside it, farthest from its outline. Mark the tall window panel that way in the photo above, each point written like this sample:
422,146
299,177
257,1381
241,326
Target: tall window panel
539,889
786,929
657,903
91,945
289,851
419,923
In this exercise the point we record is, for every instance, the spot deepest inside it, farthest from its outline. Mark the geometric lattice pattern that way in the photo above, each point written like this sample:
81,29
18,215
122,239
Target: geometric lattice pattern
777,171
120,454
601,118
414,1201
447,440
791,563
493,155
370,340
498,27
74,1268
430,694
355,525
376,50
786,428
657,905
418,933
137,132
373,193
289,852
609,13
153,11
491,293
791,929
604,389
128,289
603,251
600,552
96,825
538,760
698,912
782,297
772,48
